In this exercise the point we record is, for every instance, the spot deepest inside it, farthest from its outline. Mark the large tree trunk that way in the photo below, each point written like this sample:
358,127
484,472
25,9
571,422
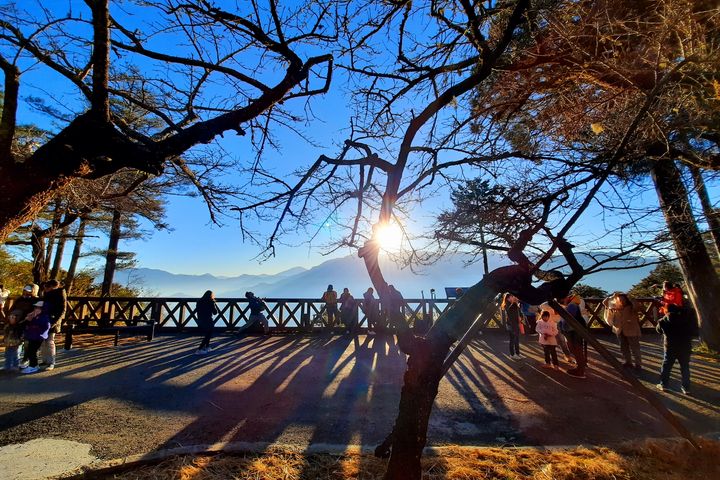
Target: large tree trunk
37,243
49,251
425,363
79,238
712,216
59,252
112,253
51,233
700,277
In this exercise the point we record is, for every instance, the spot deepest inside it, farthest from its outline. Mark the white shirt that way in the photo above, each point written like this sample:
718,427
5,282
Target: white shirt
4,294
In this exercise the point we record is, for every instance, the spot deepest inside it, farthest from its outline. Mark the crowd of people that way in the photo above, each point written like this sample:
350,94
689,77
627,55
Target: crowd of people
677,325
31,323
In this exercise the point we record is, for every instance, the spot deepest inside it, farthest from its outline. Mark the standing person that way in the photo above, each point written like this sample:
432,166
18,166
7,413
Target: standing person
55,305
347,309
13,340
36,332
4,295
622,316
25,301
206,308
396,306
512,317
576,343
562,341
678,327
330,299
257,307
547,336
370,307
22,306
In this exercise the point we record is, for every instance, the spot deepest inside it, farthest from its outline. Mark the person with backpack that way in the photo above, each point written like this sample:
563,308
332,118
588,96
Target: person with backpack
331,301
206,308
678,327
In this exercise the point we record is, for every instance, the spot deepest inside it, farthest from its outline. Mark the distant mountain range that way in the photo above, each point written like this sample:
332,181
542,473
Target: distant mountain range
343,272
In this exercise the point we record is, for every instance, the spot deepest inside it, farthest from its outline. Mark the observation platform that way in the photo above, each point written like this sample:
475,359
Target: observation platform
338,390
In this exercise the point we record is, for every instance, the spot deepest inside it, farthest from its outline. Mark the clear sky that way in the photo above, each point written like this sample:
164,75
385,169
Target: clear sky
194,245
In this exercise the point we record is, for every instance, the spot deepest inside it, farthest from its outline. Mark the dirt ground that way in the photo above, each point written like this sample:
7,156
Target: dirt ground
332,390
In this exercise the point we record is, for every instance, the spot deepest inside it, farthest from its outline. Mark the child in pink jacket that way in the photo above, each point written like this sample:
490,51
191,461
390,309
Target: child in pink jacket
548,338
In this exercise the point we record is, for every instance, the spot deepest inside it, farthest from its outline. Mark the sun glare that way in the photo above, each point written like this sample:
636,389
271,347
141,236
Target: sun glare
389,236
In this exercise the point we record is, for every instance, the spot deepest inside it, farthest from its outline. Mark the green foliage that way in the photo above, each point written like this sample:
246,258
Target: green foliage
84,286
588,291
14,274
651,286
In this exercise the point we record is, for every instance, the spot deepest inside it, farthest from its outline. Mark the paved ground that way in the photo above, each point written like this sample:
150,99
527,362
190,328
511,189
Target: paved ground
144,397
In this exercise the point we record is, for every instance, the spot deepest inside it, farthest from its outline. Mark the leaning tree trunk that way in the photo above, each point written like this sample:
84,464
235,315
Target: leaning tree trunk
701,278
712,215
112,253
79,238
425,363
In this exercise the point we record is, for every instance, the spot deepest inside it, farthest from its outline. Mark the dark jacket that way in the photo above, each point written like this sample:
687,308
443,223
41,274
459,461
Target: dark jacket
55,305
370,304
38,328
24,305
257,306
512,316
569,332
678,327
205,310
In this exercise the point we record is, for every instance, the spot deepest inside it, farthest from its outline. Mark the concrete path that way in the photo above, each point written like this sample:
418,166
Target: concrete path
337,390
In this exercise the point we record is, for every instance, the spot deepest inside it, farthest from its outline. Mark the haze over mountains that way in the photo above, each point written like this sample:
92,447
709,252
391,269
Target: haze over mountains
341,272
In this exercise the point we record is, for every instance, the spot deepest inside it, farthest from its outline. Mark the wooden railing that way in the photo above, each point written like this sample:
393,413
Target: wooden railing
283,314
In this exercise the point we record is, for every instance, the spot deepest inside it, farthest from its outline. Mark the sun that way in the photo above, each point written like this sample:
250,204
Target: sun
389,236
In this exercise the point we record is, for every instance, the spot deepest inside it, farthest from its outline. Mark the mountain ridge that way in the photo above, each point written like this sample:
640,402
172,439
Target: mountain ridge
298,282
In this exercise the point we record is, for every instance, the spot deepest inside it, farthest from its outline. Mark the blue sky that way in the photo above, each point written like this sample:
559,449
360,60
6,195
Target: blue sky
195,245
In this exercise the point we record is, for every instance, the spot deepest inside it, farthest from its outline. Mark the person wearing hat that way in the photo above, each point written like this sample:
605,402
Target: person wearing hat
36,332
24,303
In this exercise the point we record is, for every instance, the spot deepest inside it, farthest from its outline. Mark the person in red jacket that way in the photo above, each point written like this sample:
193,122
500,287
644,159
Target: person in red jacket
672,295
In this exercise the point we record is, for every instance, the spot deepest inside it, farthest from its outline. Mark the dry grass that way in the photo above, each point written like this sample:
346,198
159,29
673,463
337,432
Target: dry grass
650,460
